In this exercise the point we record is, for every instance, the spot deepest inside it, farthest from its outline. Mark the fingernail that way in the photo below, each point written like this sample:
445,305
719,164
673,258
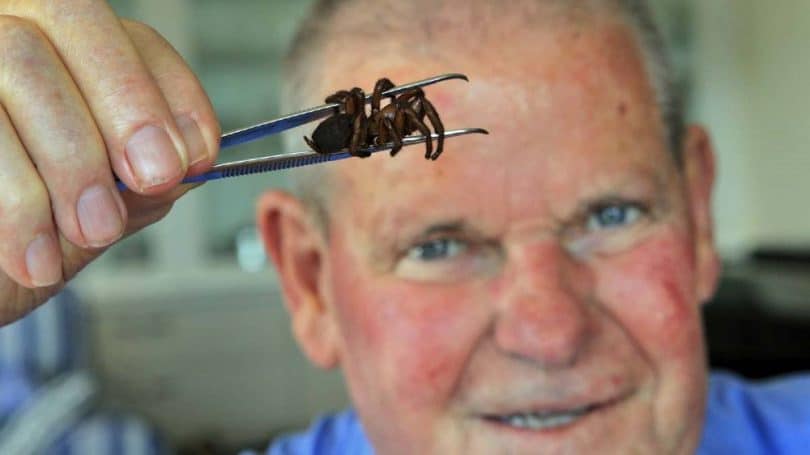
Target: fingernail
195,144
153,156
43,261
99,218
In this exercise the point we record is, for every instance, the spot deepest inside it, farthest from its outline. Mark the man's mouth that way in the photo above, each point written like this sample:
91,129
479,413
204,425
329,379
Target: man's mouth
541,420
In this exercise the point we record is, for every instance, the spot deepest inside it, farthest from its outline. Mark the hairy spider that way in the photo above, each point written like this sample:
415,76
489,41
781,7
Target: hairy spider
347,128
351,128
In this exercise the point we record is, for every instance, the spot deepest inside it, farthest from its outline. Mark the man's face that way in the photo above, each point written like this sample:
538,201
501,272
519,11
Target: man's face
531,291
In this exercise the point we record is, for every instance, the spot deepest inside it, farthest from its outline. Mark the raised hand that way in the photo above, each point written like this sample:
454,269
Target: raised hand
84,94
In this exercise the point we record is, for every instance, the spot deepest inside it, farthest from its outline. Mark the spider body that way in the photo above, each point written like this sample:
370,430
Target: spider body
332,135
351,128
346,128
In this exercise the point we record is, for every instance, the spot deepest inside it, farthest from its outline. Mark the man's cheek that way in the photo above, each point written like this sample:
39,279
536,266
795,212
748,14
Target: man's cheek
651,290
434,331
419,337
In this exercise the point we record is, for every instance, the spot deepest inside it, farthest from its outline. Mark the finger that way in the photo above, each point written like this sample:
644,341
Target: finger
60,137
29,252
145,210
185,95
145,146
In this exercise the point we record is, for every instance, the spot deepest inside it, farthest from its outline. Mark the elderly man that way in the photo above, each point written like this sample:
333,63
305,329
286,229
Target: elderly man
533,291
536,290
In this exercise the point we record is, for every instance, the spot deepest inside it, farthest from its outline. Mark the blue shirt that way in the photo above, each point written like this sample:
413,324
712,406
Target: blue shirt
770,418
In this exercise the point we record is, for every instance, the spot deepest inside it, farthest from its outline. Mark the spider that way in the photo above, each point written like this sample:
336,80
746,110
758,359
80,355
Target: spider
346,128
351,128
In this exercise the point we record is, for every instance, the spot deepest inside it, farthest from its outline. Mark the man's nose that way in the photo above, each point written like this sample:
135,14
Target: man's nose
544,315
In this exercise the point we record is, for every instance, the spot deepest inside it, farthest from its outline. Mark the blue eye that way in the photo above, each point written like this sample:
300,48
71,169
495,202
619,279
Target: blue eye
436,250
613,216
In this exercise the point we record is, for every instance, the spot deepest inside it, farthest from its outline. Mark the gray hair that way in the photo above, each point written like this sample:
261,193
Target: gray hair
659,69
302,57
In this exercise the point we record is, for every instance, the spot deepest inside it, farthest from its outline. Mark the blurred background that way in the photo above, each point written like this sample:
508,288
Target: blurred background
184,323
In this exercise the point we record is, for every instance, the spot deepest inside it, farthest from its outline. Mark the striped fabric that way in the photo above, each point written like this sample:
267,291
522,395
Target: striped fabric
39,421
110,434
48,341
39,355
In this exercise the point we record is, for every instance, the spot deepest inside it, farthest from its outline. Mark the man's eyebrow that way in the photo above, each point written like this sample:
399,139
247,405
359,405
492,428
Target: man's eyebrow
600,200
448,226
617,193
402,240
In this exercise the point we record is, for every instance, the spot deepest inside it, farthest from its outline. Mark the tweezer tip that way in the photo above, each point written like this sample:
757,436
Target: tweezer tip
456,76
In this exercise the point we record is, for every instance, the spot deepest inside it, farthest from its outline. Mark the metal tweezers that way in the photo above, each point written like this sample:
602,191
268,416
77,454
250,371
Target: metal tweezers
295,159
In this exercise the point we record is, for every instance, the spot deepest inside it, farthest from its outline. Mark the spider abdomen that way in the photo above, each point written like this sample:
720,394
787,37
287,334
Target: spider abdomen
333,134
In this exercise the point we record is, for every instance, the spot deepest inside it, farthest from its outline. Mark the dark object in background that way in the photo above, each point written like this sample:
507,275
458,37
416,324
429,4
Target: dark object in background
750,329
782,256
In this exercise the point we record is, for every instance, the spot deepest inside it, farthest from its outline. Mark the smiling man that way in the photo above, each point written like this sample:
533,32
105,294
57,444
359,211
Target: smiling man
536,290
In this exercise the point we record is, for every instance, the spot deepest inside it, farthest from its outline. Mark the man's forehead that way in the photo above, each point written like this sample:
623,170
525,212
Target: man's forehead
564,72
528,89
350,59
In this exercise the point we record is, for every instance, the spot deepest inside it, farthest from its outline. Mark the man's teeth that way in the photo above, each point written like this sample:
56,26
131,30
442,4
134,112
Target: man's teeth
542,421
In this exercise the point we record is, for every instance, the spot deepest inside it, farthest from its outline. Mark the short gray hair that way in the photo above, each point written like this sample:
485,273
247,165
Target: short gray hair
660,71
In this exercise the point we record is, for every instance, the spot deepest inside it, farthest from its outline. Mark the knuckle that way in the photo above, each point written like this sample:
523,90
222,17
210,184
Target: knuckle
16,32
59,10
22,202
127,88
139,29
10,23
22,45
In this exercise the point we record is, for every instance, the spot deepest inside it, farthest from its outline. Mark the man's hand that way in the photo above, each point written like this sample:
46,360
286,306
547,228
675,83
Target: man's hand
82,94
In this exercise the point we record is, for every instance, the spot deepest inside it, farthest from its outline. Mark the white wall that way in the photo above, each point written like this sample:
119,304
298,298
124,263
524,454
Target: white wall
752,90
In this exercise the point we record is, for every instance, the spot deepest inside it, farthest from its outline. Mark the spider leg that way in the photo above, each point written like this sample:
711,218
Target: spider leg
420,125
337,96
340,97
401,122
380,133
358,141
359,124
419,108
410,100
356,101
312,145
411,97
396,138
433,116
401,125
381,86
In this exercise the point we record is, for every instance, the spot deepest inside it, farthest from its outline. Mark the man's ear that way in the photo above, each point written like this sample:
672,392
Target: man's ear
699,169
297,248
